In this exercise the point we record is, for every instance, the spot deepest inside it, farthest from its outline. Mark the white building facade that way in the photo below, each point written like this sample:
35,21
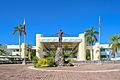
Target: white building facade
99,50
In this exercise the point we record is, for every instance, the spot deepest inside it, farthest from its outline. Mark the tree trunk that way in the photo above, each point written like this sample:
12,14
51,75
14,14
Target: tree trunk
29,55
91,52
19,47
116,53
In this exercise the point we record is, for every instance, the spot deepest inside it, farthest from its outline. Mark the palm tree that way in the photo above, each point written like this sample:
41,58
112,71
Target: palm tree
114,43
91,38
3,52
29,49
19,29
0,49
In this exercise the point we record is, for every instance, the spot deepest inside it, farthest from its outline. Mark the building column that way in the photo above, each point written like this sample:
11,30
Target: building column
96,51
39,47
82,48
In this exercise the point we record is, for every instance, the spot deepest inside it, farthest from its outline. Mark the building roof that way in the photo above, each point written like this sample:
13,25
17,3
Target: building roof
17,47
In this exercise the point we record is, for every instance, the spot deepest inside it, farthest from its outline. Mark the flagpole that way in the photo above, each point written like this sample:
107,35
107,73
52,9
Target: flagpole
24,25
99,34
24,49
99,25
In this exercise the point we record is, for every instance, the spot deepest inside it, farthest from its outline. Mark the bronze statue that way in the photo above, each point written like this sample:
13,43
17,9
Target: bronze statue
59,57
60,38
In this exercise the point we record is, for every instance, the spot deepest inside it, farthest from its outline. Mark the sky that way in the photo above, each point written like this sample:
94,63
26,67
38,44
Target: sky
49,16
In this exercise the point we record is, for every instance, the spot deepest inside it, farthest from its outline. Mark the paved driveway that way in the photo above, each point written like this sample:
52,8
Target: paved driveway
22,72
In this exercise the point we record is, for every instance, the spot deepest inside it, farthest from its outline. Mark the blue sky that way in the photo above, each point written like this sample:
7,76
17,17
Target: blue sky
48,16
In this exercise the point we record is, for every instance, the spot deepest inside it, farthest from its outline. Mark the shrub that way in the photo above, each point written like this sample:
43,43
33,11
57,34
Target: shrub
88,58
52,54
68,57
42,61
50,61
35,61
45,62
67,54
88,55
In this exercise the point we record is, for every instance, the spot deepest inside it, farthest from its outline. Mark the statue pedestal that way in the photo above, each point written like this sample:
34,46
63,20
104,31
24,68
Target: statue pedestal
59,57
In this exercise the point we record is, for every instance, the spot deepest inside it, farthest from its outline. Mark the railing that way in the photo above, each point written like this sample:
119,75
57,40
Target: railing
64,39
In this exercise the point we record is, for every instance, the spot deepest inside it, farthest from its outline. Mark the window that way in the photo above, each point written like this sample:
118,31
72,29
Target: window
102,50
17,50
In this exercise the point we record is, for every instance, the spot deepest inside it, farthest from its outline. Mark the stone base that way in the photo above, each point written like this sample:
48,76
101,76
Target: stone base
59,57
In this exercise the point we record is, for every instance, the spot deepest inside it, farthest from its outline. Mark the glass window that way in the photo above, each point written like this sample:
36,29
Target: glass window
102,50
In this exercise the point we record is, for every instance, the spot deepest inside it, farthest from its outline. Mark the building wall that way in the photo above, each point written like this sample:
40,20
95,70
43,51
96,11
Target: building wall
39,45
96,51
82,48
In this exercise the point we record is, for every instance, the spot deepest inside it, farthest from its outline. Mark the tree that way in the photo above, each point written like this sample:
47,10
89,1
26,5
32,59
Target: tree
114,43
0,49
91,38
19,29
29,49
3,52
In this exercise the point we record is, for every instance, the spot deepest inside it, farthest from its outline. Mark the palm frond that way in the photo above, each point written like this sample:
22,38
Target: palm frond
91,35
15,30
114,42
19,29
96,32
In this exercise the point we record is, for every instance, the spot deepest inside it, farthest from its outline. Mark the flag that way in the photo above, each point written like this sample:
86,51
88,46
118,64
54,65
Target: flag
24,27
99,22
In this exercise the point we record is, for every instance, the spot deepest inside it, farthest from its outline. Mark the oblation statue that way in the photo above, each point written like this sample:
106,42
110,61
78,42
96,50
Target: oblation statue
59,57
